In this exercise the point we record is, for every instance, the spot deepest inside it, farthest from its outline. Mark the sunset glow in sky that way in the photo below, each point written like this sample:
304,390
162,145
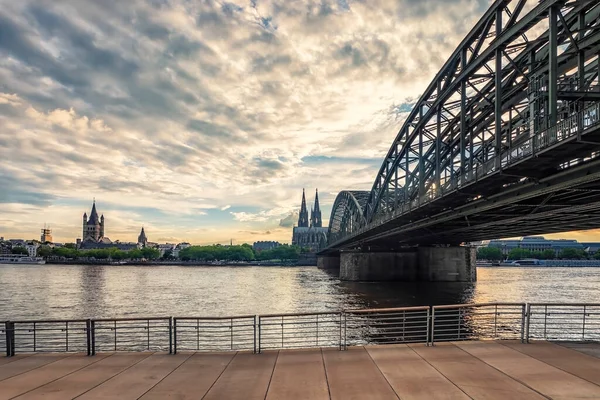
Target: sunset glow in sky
203,120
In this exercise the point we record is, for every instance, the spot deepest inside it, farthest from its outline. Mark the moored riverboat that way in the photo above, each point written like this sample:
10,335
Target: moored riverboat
20,259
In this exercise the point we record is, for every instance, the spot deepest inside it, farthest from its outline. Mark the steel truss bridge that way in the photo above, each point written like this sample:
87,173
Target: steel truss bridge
504,141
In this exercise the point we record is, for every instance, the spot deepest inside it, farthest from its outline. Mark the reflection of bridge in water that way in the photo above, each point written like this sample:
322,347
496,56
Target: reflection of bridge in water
503,142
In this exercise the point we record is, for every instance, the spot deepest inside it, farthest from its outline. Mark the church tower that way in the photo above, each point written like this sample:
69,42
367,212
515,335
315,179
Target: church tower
83,235
315,216
303,217
93,228
142,239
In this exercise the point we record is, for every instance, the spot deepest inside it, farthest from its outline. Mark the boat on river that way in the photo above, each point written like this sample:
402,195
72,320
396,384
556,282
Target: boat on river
20,259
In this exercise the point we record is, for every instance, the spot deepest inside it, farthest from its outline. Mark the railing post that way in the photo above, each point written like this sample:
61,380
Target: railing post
34,338
340,337
170,335
432,325
259,333
88,336
495,321
528,316
317,328
148,329
345,331
254,327
174,335
231,333
93,337
523,317
7,334
67,336
13,340
583,330
427,331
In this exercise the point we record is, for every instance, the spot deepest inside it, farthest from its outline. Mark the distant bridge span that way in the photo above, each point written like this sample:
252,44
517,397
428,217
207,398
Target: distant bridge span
503,142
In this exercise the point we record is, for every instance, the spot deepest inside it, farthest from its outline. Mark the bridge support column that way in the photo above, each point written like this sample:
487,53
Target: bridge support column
378,266
447,264
329,262
429,264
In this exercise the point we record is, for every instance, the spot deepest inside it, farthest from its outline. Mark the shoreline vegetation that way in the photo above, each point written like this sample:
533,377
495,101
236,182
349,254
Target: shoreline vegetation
194,255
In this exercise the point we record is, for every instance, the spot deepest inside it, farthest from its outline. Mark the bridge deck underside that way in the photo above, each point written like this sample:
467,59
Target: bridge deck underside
528,197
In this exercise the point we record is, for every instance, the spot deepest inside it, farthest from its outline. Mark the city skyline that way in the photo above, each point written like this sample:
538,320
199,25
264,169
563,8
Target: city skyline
203,122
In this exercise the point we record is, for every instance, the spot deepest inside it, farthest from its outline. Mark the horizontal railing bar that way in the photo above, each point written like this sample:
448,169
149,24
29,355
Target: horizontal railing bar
475,305
565,304
132,319
214,318
358,311
299,314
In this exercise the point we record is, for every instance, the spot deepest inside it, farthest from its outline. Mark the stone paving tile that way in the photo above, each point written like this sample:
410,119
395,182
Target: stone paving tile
299,374
411,376
137,380
37,377
193,378
574,362
85,379
473,376
352,374
246,378
536,374
28,363
6,360
589,348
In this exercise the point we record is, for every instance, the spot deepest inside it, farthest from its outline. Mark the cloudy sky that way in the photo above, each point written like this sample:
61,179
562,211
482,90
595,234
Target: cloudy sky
203,120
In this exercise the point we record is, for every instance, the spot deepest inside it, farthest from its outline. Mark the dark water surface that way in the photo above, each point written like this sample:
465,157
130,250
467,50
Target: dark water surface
77,291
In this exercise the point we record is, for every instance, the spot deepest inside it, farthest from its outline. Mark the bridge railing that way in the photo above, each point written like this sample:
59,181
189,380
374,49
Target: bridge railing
425,324
569,127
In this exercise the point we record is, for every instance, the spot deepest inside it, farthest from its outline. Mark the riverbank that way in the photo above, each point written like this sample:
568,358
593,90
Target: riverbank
279,263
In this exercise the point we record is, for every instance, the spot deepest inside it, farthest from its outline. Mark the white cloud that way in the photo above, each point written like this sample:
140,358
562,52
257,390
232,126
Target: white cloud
177,109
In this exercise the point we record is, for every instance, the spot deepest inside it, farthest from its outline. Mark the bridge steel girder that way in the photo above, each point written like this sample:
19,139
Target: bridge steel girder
347,214
509,85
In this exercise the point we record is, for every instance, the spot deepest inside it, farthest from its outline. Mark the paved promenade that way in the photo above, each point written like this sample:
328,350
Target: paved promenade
462,370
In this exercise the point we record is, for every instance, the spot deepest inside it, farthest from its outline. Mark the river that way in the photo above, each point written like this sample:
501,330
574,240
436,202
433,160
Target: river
78,291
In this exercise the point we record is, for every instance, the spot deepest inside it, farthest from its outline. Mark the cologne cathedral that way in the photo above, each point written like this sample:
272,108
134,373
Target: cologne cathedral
310,233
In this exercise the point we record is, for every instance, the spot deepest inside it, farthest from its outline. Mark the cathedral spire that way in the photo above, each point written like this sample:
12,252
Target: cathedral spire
303,217
317,222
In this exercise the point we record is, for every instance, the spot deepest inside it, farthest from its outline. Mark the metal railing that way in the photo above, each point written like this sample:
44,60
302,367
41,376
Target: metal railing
131,334
563,321
386,326
550,321
214,333
278,331
478,321
47,336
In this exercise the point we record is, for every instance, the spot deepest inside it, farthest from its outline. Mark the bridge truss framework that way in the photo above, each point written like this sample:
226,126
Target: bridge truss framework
503,142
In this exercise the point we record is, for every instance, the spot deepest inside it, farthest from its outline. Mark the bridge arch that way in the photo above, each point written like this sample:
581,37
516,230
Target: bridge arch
347,214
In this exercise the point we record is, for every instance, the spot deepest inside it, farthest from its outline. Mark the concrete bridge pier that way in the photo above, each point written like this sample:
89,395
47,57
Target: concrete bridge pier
428,264
329,262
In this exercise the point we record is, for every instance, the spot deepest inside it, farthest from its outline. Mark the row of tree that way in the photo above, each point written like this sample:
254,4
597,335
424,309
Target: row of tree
495,254
99,254
243,252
